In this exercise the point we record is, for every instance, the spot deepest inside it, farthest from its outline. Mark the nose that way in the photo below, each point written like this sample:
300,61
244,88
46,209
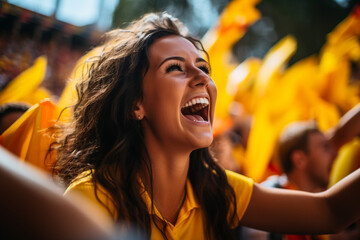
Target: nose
199,78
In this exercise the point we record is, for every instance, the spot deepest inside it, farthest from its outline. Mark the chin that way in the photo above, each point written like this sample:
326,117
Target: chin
202,142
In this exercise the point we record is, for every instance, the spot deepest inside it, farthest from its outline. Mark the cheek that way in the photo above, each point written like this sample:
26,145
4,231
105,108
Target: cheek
162,101
152,96
213,90
322,159
213,96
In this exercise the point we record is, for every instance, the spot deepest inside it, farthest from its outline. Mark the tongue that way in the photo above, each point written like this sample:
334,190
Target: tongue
194,117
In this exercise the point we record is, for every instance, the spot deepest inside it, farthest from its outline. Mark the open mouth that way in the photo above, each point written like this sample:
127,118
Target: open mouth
196,110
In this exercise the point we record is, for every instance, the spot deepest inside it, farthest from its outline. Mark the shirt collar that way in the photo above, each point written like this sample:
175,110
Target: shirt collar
189,204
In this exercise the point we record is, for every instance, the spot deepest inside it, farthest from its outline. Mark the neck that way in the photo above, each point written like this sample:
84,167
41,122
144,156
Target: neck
169,175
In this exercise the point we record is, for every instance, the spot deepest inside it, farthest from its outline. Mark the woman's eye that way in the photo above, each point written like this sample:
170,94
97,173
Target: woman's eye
205,69
174,67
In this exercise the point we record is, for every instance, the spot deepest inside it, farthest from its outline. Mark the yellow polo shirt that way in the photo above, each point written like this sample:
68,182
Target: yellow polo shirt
189,224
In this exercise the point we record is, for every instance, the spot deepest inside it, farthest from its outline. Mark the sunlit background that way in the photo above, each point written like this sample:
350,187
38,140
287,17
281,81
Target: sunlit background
79,12
280,17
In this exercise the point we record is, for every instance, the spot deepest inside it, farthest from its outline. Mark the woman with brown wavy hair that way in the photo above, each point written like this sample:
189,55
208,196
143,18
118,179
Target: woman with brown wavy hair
138,146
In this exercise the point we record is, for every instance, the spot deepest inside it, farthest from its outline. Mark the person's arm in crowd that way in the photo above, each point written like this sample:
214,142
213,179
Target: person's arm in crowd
347,128
32,207
297,212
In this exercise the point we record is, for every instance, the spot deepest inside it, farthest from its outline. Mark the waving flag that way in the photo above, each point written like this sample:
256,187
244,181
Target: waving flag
30,136
24,88
269,101
341,49
347,161
218,41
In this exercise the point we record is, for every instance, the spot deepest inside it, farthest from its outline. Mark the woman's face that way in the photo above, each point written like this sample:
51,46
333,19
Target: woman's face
178,96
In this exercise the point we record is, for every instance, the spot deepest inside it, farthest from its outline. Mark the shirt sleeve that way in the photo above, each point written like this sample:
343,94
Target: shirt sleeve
243,187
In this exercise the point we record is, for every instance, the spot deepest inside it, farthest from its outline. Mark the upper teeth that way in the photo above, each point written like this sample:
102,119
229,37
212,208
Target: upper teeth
196,101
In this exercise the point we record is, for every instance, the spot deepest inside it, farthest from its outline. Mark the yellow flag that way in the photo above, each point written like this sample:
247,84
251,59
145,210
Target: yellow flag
29,137
36,96
25,84
341,49
269,120
218,41
270,101
267,80
233,23
241,83
346,162
347,28
308,90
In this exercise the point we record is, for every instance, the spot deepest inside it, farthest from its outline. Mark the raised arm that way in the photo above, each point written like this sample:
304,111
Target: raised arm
297,212
347,128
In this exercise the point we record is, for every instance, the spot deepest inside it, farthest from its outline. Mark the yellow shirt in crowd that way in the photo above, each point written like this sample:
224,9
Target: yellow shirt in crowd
189,224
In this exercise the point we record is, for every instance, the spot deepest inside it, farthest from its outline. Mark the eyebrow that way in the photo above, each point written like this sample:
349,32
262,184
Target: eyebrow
199,59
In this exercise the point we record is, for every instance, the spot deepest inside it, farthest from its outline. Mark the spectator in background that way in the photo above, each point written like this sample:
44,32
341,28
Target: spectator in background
306,156
10,112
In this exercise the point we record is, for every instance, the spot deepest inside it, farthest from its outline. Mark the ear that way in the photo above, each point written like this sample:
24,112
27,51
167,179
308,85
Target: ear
299,159
139,112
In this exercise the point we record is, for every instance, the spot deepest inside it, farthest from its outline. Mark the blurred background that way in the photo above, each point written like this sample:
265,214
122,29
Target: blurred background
66,29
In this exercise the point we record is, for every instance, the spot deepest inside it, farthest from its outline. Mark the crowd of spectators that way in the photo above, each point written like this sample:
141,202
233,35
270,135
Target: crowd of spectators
23,39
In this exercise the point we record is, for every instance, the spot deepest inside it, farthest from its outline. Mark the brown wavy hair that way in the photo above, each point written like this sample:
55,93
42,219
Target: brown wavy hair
105,138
